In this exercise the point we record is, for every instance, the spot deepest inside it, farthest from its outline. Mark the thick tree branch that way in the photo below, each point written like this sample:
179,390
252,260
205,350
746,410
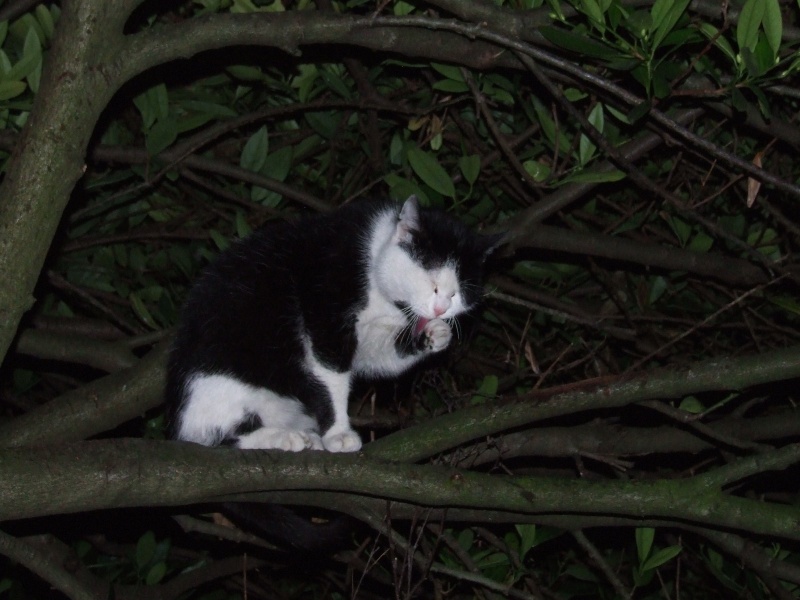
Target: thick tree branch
104,355
77,82
121,473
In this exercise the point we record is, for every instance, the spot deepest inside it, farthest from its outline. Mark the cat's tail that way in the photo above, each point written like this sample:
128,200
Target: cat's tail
293,529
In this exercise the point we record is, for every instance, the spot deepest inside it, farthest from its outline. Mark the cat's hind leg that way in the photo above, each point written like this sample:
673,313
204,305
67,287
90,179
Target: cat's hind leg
290,440
221,409
280,423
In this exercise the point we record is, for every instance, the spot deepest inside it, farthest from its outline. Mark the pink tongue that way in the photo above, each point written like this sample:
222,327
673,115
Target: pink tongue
420,325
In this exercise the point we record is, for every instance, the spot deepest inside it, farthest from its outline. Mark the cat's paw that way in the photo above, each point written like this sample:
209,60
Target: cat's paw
437,335
346,441
280,439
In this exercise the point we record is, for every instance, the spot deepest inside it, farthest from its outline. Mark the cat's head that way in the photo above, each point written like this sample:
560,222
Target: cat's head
433,265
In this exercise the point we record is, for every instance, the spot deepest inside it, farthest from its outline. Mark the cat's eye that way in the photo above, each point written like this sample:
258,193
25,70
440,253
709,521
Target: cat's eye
436,289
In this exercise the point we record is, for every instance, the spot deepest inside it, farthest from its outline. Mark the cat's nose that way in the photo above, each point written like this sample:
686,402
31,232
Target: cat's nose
440,309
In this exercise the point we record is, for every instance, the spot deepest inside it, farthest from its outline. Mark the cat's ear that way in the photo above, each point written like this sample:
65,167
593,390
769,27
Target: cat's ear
408,221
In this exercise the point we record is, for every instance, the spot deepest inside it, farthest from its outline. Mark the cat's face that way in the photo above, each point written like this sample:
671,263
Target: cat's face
433,265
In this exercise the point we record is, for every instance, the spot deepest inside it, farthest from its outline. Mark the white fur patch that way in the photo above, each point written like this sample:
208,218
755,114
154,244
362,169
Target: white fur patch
216,404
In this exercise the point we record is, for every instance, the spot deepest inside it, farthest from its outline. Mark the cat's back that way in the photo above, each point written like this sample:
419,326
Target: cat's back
310,268
290,252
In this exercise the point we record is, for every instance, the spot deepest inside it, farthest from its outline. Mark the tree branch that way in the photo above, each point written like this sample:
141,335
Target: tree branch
471,423
41,563
96,407
122,473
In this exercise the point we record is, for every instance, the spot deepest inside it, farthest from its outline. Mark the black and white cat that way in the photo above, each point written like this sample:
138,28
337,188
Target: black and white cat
276,331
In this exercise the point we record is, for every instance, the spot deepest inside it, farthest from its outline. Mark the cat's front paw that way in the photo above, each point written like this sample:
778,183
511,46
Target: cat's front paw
346,441
437,335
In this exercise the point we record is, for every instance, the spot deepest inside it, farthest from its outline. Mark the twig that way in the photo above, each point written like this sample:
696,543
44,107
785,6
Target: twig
511,157
689,419
738,300
600,563
753,556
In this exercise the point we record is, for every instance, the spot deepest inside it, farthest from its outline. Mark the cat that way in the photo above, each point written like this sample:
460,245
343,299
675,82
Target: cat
280,326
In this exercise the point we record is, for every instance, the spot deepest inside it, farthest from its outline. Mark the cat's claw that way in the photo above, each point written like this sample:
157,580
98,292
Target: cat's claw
346,441
437,335
280,439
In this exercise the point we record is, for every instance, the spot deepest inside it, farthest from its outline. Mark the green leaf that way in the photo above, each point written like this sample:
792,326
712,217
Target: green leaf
592,9
401,188
586,147
428,169
470,167
681,228
145,549
449,71
45,19
161,136
451,87
644,542
335,83
153,104
659,11
243,228
11,89
594,176
488,389
305,81
666,14
692,405
277,167
749,23
763,55
660,557
575,42
245,72
403,8
466,538
279,163
712,33
142,311
156,573
254,153
537,170
527,538
657,289
788,303
701,242
324,123
22,26
549,128
31,58
220,240
773,25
